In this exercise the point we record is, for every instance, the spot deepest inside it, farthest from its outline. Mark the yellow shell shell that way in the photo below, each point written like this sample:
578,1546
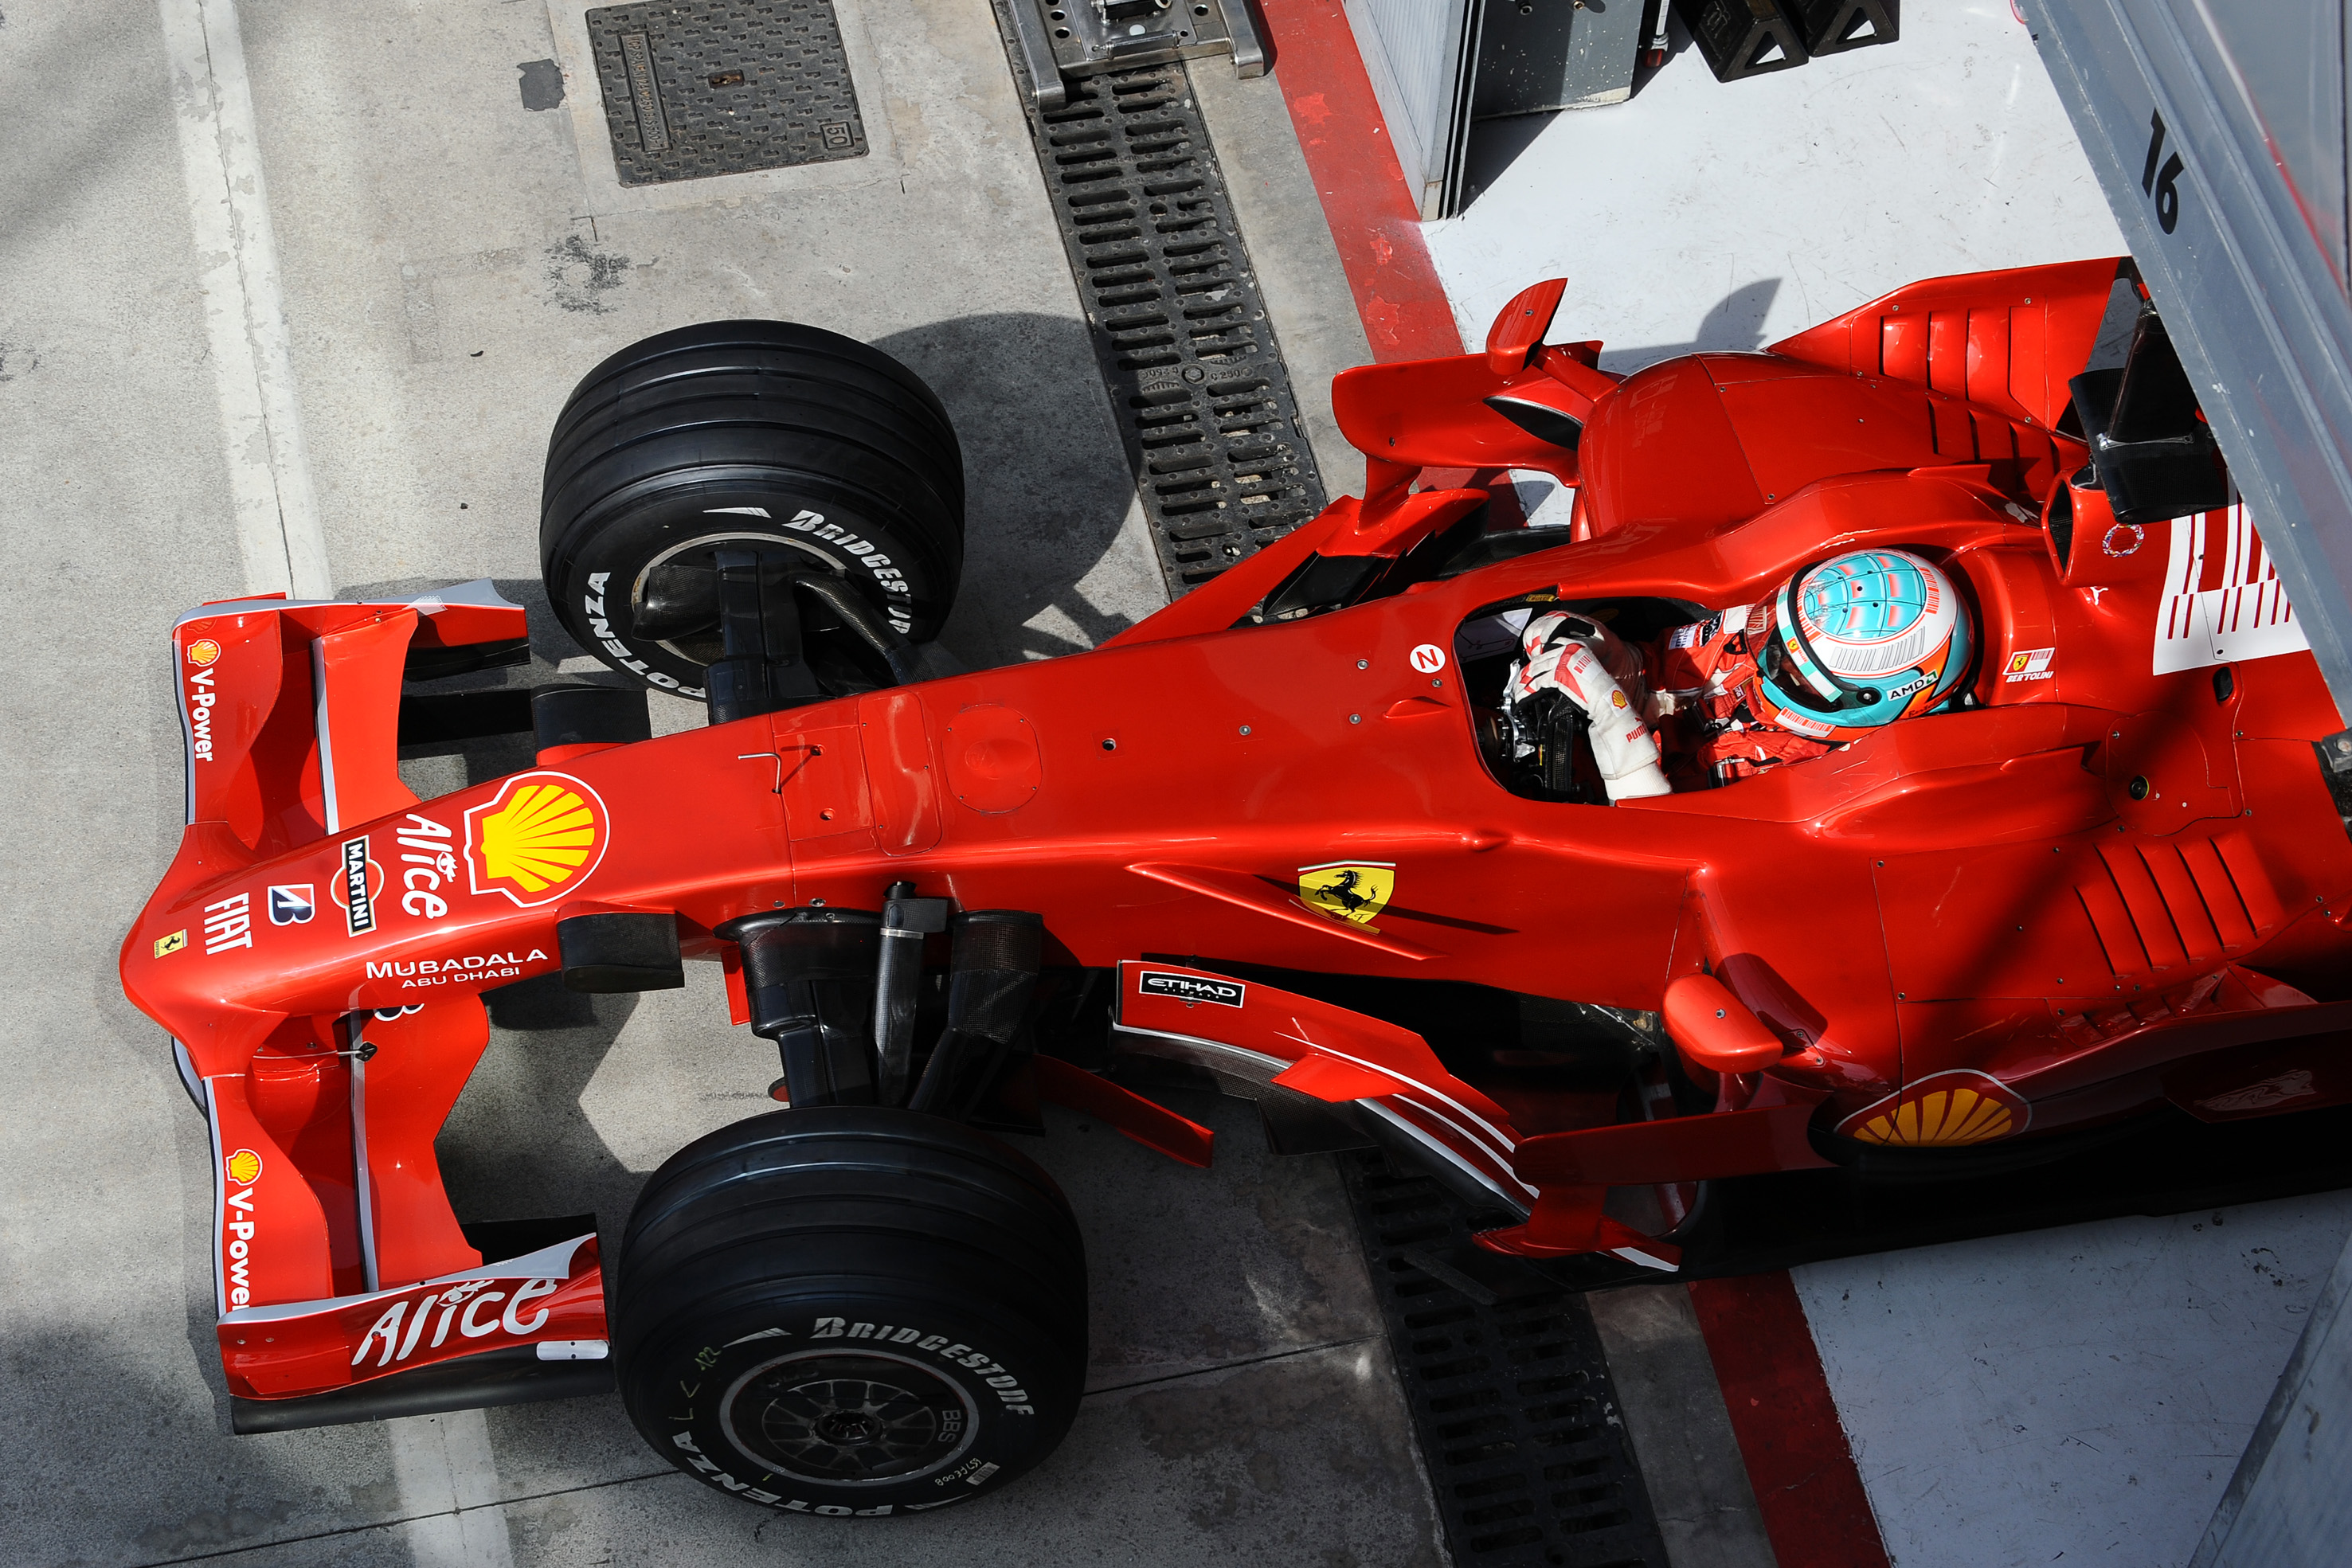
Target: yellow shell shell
1942,1118
540,838
244,1166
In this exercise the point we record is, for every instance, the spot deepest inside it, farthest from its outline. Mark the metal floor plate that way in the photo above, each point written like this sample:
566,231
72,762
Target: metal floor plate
1187,354
1511,1399
697,87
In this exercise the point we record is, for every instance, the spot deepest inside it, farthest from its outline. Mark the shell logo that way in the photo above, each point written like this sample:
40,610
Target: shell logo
244,1168
537,840
1943,1110
203,651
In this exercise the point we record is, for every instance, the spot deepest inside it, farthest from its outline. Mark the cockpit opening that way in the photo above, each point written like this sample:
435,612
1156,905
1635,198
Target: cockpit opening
1597,701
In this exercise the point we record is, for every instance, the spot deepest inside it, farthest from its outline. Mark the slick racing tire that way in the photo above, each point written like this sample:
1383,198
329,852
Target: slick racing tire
851,1312
760,434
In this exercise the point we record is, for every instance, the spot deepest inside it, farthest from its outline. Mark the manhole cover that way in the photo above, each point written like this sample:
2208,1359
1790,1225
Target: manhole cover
723,87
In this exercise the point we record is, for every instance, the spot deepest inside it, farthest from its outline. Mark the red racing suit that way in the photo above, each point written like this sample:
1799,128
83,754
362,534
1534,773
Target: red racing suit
1701,672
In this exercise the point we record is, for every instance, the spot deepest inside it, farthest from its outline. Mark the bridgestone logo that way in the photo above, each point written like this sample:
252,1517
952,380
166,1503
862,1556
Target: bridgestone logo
1192,988
359,909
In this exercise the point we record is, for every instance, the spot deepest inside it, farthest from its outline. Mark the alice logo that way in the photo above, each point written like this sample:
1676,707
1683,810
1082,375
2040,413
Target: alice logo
539,838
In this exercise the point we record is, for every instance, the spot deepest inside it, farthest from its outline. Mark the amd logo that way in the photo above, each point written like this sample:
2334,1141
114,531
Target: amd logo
1192,988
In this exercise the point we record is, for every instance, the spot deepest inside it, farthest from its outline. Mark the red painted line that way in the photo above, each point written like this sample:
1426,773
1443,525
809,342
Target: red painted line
1374,220
1814,1508
1373,217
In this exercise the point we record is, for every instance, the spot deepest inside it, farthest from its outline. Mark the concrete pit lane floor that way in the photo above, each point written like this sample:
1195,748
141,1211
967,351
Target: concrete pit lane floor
293,292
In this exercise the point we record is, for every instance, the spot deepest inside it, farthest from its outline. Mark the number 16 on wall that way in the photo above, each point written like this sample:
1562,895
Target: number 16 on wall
2161,183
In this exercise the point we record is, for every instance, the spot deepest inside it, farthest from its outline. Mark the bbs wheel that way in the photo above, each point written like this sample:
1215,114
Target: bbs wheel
851,1312
765,435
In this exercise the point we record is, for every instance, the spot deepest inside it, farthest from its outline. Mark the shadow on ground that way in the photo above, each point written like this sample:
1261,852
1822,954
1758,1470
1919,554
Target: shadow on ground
1734,324
1047,485
1496,144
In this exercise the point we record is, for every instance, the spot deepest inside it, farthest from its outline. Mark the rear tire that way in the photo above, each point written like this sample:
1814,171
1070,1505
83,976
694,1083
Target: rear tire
765,434
851,1312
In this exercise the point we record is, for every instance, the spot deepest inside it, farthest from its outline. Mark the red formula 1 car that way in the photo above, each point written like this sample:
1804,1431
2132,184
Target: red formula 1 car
1905,753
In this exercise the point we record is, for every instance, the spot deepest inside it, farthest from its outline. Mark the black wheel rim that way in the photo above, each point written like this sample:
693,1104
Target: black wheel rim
844,1419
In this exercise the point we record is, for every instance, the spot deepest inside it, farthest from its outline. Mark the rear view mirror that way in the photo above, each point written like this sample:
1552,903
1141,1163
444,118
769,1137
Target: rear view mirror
1519,330
2152,452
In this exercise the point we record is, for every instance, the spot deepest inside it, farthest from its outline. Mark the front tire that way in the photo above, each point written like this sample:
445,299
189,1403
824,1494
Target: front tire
851,1312
766,435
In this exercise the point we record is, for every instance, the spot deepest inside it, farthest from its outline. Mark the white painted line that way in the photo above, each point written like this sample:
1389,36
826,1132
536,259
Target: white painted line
449,1485
277,532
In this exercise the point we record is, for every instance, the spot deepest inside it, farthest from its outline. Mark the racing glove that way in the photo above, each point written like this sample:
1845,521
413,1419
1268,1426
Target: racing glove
1592,667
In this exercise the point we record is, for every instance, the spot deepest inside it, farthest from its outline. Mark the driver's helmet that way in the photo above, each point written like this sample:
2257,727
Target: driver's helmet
1860,640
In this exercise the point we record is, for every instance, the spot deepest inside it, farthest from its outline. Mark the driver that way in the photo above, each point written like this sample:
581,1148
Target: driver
1837,651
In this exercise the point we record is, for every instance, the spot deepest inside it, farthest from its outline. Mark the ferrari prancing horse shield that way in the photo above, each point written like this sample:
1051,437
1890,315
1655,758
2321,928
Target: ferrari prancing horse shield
1353,891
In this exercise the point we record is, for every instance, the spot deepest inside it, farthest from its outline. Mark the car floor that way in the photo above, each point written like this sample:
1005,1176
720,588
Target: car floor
343,376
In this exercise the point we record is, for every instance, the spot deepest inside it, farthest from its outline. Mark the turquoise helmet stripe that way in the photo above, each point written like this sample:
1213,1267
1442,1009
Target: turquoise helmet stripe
1793,642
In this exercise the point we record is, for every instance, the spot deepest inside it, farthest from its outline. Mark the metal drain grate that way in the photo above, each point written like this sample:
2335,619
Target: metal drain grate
1186,351
697,87
1510,1394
